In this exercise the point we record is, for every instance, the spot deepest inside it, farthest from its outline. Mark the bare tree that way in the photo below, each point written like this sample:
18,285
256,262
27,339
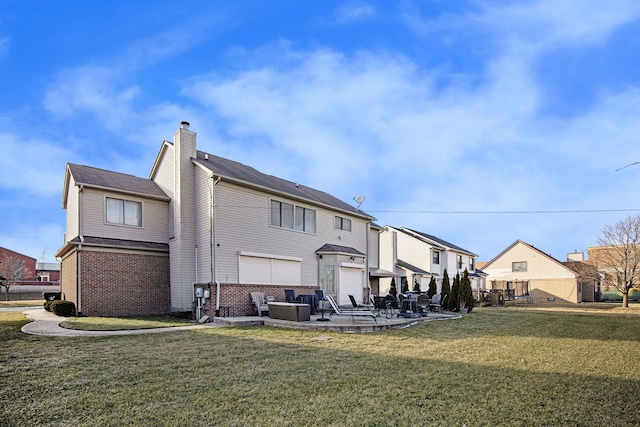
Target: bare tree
12,270
619,255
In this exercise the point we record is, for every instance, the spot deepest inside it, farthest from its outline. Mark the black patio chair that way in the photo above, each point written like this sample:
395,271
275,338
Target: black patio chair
289,295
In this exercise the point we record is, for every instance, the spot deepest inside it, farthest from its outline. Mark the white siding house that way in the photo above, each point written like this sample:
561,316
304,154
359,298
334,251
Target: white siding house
225,226
522,270
417,256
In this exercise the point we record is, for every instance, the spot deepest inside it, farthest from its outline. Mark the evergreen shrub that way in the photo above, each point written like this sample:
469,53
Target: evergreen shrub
63,308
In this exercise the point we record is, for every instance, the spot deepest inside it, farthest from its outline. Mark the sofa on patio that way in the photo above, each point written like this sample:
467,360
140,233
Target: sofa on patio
294,312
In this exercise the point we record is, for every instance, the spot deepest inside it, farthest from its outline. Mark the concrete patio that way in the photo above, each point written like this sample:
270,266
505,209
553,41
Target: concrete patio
338,323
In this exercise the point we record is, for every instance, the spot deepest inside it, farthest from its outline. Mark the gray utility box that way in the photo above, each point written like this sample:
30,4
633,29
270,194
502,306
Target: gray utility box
290,311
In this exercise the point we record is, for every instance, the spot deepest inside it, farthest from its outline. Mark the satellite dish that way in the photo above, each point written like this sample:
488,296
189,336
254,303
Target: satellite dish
359,200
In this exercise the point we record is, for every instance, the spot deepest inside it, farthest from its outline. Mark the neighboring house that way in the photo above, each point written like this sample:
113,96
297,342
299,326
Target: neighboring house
48,272
589,279
603,259
204,221
523,271
375,272
417,256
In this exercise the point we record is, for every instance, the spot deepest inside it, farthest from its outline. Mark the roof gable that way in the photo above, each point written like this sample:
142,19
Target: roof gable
103,179
435,240
530,248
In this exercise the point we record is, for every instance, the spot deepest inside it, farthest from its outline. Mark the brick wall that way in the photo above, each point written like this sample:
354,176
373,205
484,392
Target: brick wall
28,263
123,284
238,296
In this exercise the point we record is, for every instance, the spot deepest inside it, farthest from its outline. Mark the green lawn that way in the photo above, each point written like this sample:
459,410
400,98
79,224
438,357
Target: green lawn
21,303
122,323
496,366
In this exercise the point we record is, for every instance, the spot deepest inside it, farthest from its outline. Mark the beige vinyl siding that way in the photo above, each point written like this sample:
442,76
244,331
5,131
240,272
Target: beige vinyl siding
538,265
72,210
175,274
184,219
154,218
203,224
165,179
414,251
374,249
164,176
243,224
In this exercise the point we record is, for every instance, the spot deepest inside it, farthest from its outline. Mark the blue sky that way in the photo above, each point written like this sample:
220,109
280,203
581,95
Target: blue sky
478,122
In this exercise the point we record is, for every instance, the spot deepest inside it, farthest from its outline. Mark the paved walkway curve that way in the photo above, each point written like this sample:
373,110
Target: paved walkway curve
48,324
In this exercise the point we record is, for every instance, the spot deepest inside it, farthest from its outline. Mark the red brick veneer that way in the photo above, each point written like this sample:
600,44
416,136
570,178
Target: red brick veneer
123,284
237,296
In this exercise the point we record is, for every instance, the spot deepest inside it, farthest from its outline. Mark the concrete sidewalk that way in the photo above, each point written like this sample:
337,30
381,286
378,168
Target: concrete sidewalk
48,324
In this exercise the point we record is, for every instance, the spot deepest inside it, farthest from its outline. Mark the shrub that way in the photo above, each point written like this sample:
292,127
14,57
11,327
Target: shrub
453,302
466,293
393,290
47,305
433,287
63,308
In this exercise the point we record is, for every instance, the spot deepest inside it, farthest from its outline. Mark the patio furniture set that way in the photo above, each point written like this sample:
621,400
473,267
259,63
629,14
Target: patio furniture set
300,308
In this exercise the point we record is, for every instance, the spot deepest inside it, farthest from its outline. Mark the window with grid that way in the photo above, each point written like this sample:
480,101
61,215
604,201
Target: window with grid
286,215
123,212
342,223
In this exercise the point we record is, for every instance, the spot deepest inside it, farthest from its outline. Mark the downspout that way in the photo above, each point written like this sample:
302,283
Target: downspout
366,260
213,241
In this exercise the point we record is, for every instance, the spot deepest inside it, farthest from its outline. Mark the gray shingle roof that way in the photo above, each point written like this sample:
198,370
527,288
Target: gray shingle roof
410,267
337,248
100,178
237,171
439,241
120,243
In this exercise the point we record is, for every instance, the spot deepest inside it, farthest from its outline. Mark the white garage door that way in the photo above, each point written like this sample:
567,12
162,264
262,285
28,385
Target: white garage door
350,284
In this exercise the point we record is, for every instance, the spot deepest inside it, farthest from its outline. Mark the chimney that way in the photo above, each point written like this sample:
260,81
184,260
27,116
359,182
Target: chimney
575,256
184,125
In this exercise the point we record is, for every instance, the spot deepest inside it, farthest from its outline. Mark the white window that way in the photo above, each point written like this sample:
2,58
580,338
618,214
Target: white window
519,266
330,275
460,262
124,212
436,257
286,215
342,223
266,269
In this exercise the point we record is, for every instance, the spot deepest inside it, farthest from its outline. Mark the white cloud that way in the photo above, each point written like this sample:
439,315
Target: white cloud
91,89
32,165
530,27
413,139
553,23
353,12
